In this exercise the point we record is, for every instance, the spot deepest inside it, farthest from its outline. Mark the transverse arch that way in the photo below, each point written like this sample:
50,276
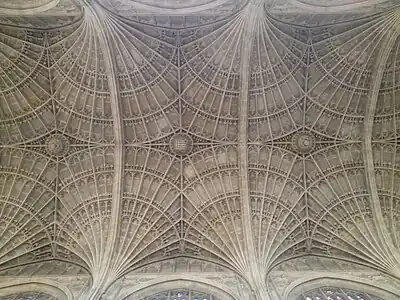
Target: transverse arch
346,286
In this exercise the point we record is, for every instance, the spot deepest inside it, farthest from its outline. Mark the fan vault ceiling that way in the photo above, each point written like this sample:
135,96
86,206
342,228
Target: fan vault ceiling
232,148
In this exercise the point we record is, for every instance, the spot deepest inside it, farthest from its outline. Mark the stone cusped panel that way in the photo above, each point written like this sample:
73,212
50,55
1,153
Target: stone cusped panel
25,4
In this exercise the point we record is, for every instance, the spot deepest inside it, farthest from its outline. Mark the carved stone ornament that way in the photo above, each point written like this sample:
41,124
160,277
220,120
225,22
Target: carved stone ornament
135,133
57,145
181,144
303,142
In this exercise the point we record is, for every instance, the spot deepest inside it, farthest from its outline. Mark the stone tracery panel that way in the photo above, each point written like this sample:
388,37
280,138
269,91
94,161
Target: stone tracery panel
80,82
150,209
316,13
278,204
147,75
210,78
28,296
336,293
147,233
187,286
27,206
364,285
387,116
179,294
24,86
296,277
24,4
82,235
174,4
278,67
175,14
211,208
46,268
340,207
181,194
216,232
386,159
209,174
342,63
36,18
84,195
328,293
181,265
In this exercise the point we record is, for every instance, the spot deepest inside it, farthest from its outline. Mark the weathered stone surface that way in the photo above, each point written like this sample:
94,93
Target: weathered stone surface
191,150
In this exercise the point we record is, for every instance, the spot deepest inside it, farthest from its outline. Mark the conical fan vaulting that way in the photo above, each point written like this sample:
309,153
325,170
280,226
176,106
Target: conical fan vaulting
174,5
25,4
211,149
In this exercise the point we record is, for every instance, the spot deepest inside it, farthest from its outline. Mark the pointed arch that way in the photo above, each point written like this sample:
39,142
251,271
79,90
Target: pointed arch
46,286
351,282
156,285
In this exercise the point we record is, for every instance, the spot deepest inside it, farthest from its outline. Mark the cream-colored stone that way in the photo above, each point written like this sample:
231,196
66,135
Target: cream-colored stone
199,150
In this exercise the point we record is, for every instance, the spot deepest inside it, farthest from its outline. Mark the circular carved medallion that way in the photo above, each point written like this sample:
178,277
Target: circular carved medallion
57,145
181,144
303,142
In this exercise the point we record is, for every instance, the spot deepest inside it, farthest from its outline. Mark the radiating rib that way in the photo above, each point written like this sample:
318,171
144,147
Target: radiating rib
84,205
340,207
386,161
150,209
147,77
320,13
387,116
277,81
26,206
183,15
28,295
278,204
80,86
211,207
24,86
210,79
344,56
